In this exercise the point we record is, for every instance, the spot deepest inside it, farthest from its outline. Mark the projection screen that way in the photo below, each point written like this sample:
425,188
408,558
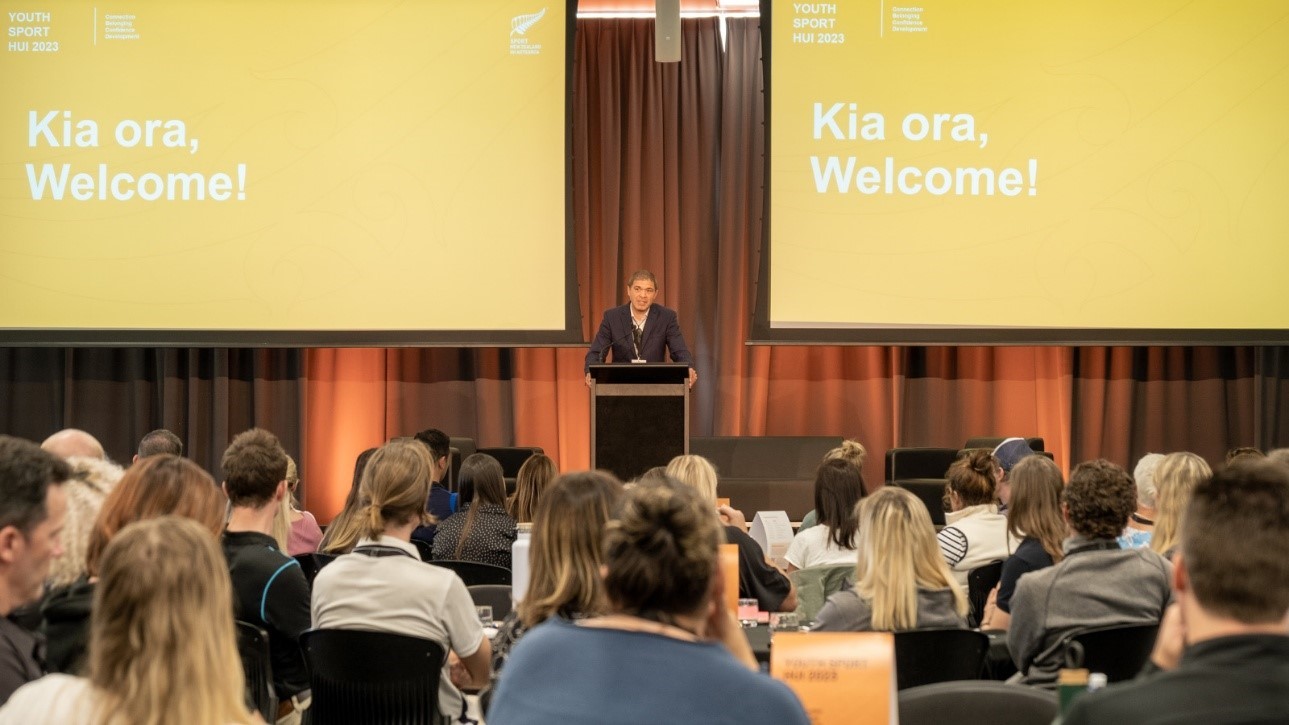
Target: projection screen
1002,171
297,172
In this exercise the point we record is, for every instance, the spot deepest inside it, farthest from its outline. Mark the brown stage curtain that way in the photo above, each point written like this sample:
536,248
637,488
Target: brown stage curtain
667,174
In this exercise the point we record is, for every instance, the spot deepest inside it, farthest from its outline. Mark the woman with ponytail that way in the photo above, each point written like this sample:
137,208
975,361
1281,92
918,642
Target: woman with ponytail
383,586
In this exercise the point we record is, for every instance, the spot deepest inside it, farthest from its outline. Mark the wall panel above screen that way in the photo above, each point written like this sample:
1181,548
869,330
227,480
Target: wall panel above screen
1005,171
299,172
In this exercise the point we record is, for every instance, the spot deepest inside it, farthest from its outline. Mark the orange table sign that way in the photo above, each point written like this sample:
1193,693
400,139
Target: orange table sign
729,568
842,678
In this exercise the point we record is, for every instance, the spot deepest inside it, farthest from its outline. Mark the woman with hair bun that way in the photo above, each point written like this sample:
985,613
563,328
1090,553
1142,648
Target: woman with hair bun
975,532
383,586
162,646
668,640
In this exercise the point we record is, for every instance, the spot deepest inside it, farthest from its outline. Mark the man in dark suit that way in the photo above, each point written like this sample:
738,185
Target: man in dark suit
640,330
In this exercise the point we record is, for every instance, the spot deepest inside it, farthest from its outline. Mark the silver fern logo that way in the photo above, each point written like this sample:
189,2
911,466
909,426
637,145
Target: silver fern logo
519,27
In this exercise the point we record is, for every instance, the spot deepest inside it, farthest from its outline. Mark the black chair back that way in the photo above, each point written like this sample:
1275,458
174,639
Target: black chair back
253,646
906,463
372,677
925,656
930,491
425,548
1120,651
312,563
473,572
980,581
979,702
496,596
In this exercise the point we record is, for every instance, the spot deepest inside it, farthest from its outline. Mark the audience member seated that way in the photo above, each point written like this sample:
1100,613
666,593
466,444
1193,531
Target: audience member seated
849,450
269,588
1141,524
32,509
74,443
154,486
382,585
1007,454
162,645
481,531
346,528
1034,518
901,580
565,557
300,533
1176,477
759,578
91,481
1243,453
158,442
839,486
669,651
530,485
1096,584
975,532
439,503
1223,646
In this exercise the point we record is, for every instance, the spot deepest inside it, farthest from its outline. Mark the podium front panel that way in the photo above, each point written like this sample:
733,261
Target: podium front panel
633,433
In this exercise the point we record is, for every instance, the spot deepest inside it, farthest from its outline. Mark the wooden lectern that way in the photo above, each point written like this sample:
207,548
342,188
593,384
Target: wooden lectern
639,416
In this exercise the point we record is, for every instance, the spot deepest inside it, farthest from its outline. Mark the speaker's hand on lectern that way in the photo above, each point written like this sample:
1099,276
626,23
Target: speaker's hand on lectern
693,377
588,380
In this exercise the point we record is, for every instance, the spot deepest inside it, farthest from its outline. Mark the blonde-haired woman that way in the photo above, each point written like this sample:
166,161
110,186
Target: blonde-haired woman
296,531
1034,517
1175,480
383,586
162,645
531,484
757,577
565,559
901,579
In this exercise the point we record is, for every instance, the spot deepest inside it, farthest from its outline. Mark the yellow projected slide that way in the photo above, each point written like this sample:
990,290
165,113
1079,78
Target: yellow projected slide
998,163
282,165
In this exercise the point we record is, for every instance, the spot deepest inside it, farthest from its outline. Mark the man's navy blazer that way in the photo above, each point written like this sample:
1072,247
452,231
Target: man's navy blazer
661,335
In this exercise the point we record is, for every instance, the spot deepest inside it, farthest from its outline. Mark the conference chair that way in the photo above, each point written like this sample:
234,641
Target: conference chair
511,457
425,548
911,463
925,656
930,491
816,583
253,646
980,581
1119,651
977,702
375,677
312,563
496,596
473,572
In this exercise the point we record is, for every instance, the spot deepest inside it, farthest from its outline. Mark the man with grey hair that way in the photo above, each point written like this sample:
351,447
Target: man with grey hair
1141,524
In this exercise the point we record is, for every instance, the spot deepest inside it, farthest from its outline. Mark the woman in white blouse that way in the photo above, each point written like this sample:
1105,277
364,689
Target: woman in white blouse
839,485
